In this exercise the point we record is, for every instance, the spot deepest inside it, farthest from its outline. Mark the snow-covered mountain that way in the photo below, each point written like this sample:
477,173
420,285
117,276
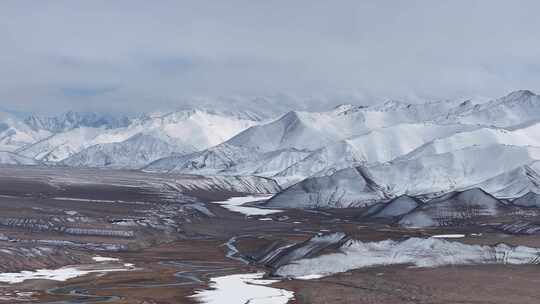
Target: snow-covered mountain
351,187
429,175
209,161
397,207
339,138
188,131
513,109
314,130
453,209
132,153
15,133
347,156
377,146
303,130
229,160
10,158
437,146
71,120
60,146
524,136
530,199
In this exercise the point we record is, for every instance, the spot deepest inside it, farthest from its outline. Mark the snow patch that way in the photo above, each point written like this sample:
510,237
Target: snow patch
235,204
104,259
448,236
241,289
60,274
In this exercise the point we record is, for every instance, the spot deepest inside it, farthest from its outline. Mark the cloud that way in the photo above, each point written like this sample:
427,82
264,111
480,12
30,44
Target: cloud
82,92
140,55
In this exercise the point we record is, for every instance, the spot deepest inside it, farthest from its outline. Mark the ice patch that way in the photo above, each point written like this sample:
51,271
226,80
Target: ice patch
310,277
241,289
448,236
235,204
104,259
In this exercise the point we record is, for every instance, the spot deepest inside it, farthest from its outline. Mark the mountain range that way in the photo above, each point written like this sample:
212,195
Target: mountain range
347,156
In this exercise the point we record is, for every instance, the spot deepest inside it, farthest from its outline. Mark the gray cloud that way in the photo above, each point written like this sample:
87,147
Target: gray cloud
140,55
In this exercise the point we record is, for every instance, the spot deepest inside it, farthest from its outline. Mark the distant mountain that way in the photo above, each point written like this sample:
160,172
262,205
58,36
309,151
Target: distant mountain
209,161
514,183
71,120
15,133
302,130
528,135
391,156
133,153
188,131
397,207
513,109
10,158
339,138
453,209
229,160
351,187
377,146
531,199
429,175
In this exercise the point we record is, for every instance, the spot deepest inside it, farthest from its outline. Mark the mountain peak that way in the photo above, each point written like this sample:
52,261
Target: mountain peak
393,105
519,94
72,119
344,109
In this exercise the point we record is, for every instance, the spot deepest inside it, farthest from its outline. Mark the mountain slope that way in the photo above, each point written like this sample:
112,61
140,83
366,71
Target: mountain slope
515,108
453,209
190,131
10,158
396,112
71,120
531,199
429,175
380,145
525,136
209,161
268,164
350,187
15,133
62,145
396,207
514,183
302,130
452,170
132,153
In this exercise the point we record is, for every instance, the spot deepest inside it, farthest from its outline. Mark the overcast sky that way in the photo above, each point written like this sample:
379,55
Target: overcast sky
141,55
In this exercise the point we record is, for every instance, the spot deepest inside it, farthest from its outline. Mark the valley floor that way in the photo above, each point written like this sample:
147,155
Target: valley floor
177,239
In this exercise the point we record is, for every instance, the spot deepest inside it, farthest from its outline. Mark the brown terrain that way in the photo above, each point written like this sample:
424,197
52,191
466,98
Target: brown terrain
176,238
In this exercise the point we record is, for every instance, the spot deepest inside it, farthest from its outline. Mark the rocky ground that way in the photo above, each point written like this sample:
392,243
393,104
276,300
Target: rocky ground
167,227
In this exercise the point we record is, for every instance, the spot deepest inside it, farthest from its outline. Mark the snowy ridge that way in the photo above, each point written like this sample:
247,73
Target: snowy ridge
132,153
350,187
350,135
347,156
302,130
431,174
453,209
430,252
71,120
515,108
378,146
188,131
15,133
10,158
